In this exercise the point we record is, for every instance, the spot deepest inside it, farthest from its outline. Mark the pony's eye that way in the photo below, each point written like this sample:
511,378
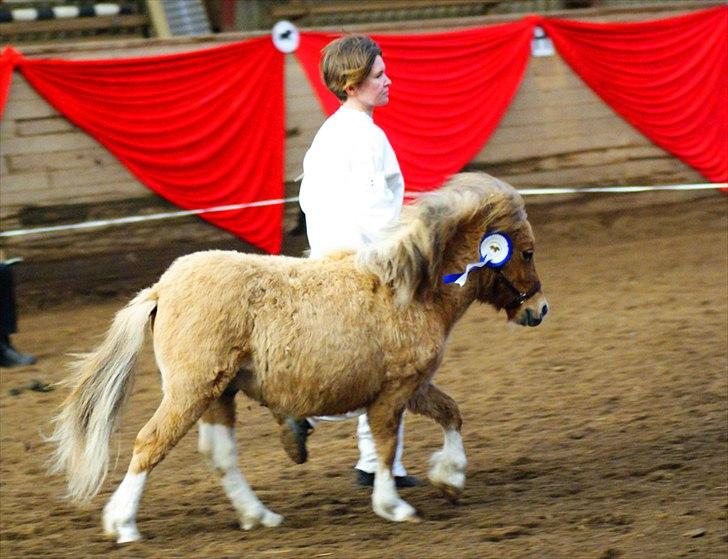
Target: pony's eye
527,255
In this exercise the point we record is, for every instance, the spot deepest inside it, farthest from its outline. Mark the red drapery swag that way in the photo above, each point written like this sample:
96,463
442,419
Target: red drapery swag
8,58
668,78
201,129
448,94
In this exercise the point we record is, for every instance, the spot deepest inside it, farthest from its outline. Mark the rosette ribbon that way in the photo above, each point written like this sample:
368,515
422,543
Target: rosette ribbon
495,250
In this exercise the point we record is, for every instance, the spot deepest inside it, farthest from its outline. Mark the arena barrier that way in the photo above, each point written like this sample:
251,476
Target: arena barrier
170,215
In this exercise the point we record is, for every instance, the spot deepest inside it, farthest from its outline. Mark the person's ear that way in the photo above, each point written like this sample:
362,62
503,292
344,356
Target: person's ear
351,90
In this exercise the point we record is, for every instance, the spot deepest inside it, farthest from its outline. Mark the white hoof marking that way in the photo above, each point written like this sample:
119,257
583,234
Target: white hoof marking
271,519
448,465
128,534
123,530
119,517
396,511
261,517
387,503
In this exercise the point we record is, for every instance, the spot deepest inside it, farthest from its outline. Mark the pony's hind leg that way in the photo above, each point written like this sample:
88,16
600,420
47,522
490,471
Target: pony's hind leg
181,406
385,415
217,443
447,471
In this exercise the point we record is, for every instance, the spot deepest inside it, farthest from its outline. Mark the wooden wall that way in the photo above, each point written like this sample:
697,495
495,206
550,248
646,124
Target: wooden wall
556,133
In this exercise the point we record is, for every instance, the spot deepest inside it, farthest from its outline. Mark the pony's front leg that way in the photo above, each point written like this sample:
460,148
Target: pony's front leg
384,419
447,471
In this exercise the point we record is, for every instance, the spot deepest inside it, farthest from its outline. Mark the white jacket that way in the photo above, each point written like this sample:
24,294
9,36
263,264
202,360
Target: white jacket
352,185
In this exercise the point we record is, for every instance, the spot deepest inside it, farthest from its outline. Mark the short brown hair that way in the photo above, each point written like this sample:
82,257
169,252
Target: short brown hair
347,61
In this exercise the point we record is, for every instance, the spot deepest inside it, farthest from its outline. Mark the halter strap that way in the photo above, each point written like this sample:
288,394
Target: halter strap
519,296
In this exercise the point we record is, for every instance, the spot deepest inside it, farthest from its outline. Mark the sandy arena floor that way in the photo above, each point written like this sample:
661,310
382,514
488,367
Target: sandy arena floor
600,434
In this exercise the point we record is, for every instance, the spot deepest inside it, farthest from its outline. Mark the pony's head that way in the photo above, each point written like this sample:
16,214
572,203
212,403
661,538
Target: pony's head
511,284
471,235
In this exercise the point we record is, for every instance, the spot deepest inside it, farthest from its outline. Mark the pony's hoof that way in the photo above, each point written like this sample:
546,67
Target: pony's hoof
451,494
397,511
128,536
266,518
448,475
271,519
122,532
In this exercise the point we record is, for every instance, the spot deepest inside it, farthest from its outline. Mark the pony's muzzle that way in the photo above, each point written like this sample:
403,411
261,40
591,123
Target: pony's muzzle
533,312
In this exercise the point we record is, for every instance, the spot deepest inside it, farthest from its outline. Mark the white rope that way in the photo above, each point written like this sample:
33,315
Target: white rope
168,215
140,218
619,189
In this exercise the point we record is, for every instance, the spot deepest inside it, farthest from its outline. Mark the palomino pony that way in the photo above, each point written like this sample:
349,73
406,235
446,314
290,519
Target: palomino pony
304,337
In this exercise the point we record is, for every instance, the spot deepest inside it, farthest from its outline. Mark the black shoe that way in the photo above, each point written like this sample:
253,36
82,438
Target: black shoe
365,479
10,357
406,481
294,433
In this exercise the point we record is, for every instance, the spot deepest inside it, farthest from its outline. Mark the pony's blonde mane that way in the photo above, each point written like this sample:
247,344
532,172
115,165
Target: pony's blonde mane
409,257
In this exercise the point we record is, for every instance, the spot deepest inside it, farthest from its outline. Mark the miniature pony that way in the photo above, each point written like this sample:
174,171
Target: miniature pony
304,337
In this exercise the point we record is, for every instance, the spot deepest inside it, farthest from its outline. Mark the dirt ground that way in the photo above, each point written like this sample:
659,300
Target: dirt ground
602,433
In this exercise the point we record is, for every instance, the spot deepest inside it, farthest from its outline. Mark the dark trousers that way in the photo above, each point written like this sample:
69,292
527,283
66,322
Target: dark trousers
8,318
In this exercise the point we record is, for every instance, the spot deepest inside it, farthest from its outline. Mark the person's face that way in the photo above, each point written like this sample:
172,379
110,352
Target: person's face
374,90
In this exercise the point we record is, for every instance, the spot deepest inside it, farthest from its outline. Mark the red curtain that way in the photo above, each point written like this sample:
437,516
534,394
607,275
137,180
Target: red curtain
201,129
449,92
8,59
668,78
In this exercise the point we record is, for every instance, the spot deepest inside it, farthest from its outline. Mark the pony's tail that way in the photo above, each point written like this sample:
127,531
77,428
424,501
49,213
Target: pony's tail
100,383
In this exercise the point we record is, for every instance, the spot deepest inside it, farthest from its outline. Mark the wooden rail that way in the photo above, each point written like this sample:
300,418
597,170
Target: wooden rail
73,24
299,9
642,11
